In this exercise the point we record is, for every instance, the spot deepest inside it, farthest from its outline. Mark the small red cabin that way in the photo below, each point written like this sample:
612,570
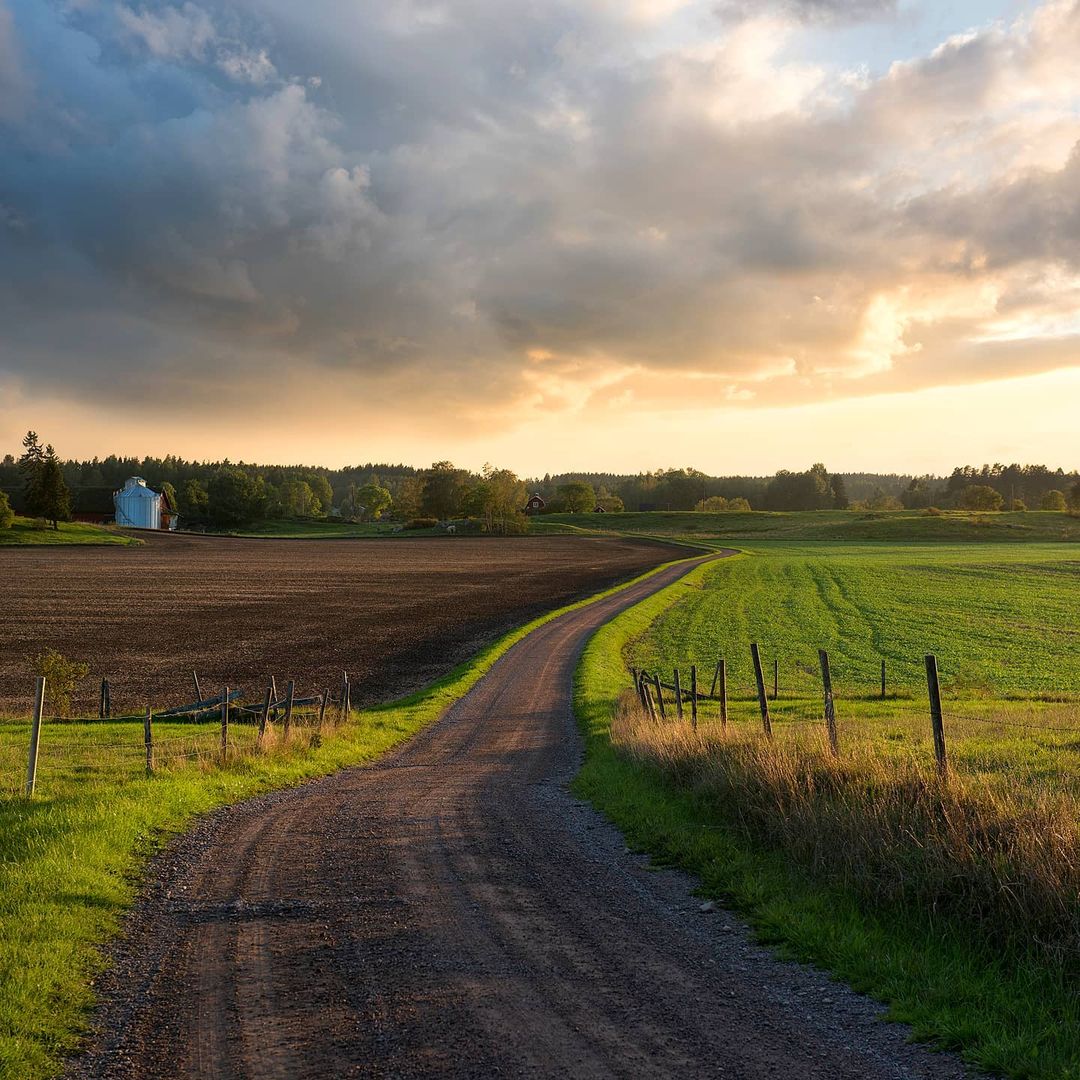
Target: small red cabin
535,505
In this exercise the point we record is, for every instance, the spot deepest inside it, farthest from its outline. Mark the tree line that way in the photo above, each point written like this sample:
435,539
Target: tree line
224,494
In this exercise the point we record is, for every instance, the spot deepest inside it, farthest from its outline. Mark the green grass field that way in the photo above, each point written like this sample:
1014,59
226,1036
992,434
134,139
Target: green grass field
1004,620
956,903
830,525
25,532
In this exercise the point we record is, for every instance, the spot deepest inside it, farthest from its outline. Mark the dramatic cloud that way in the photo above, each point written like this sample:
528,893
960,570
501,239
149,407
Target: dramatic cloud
486,211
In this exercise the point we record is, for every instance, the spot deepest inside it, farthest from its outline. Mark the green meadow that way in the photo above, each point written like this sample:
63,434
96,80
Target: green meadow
26,532
954,900
956,526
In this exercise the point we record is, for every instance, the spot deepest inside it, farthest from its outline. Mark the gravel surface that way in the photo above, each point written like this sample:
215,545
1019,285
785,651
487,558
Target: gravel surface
453,911
395,614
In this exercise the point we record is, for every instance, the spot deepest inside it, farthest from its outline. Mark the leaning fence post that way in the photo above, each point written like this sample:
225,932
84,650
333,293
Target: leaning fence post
933,686
322,707
882,680
693,696
830,706
35,736
678,695
659,687
763,701
148,740
715,676
198,688
106,698
648,700
290,694
264,718
225,726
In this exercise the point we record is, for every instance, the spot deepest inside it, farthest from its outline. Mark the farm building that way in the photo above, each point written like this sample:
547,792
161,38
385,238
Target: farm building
535,505
138,507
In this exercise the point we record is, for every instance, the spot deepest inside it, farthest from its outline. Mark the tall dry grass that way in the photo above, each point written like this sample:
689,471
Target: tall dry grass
1004,858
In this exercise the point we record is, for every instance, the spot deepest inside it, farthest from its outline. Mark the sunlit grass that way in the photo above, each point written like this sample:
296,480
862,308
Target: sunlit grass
956,902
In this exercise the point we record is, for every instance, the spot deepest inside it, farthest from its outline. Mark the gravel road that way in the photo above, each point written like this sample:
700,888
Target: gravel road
453,911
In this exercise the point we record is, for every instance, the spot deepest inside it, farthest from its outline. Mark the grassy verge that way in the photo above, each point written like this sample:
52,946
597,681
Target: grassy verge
955,526
26,533
70,860
960,974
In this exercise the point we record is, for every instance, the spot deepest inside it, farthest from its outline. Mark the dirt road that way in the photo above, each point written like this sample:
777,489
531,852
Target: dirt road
453,911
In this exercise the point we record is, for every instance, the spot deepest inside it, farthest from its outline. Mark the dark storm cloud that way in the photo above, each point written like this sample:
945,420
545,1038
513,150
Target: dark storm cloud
441,202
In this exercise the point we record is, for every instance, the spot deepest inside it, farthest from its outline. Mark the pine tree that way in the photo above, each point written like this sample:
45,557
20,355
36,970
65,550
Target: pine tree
30,466
53,492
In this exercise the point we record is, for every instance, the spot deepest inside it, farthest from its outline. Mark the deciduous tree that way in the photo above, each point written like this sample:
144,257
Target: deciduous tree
980,497
578,497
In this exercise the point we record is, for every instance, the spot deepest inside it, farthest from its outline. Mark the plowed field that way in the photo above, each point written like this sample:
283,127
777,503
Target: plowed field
395,614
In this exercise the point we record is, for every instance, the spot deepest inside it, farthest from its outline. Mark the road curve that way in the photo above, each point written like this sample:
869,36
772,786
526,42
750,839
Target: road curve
453,911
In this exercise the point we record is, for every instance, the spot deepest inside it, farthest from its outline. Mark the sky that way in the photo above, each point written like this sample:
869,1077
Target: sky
552,234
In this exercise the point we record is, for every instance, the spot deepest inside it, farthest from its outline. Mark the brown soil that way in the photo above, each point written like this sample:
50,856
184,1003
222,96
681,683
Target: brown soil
395,614
452,911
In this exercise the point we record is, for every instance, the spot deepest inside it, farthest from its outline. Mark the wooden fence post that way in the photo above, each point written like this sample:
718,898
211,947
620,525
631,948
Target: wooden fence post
678,695
148,740
290,694
322,707
274,697
225,727
647,698
106,697
763,700
933,686
101,702
882,680
830,706
775,679
723,694
693,696
658,686
198,688
264,718
715,676
35,736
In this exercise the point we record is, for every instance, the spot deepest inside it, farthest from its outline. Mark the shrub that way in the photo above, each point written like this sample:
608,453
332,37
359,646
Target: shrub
933,511
1018,505
1053,500
422,523
7,515
62,676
